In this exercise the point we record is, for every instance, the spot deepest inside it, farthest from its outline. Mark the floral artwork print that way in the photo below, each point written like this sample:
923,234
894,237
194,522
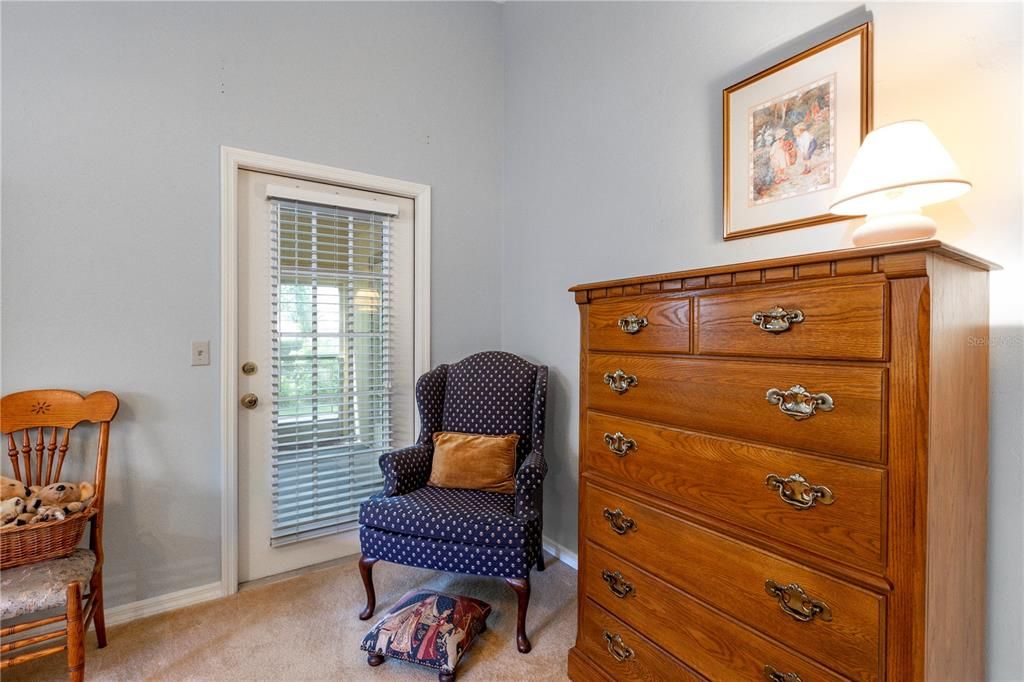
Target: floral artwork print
792,143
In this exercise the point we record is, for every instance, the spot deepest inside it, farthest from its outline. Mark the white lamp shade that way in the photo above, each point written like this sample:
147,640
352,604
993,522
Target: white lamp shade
899,165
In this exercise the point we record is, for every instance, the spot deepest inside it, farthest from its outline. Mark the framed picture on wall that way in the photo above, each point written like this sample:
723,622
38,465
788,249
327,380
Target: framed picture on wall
790,132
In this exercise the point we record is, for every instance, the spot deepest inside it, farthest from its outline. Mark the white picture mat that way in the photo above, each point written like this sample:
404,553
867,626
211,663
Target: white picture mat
844,61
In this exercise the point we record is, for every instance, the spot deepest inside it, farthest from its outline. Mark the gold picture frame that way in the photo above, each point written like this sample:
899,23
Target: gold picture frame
788,173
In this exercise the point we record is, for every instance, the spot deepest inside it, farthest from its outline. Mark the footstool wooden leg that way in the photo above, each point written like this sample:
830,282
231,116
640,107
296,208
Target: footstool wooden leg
445,677
374,659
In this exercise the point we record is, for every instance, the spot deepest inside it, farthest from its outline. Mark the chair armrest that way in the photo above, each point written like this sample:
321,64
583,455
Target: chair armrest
530,485
407,469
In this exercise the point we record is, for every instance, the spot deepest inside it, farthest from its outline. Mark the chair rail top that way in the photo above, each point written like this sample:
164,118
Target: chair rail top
55,407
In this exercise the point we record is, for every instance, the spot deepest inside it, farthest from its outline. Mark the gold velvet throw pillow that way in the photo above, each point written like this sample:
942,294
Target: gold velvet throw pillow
469,460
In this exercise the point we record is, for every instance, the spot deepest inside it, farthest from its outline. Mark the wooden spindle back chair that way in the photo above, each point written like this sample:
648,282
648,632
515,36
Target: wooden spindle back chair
37,426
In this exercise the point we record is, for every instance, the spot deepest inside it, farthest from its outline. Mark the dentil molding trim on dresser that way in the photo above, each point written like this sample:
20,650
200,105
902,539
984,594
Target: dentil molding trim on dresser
783,469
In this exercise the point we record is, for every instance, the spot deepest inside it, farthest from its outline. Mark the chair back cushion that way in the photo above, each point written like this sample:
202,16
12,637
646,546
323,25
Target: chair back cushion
492,393
474,461
429,628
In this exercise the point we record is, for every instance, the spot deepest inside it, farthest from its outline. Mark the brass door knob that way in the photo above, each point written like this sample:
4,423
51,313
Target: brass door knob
249,400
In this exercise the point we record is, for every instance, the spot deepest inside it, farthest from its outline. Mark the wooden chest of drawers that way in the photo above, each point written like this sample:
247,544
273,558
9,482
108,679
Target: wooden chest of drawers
783,470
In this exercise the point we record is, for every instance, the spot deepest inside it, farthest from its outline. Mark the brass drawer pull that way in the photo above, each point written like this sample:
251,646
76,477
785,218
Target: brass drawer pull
797,492
777,319
620,382
618,585
797,402
619,522
773,675
617,648
796,603
619,444
631,324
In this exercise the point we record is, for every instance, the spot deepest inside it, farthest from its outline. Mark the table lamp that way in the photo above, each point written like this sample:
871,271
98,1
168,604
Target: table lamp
899,168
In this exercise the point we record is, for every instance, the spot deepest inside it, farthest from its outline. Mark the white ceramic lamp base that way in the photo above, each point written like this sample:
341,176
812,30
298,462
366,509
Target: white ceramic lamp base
886,228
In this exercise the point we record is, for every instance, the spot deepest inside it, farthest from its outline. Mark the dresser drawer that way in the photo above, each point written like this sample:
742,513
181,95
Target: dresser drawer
729,397
710,643
734,578
727,478
644,324
606,640
796,321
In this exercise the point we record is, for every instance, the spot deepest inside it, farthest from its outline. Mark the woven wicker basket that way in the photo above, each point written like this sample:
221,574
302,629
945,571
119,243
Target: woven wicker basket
34,542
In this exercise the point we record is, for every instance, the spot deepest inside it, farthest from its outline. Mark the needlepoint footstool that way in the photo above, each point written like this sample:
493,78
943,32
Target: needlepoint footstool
428,628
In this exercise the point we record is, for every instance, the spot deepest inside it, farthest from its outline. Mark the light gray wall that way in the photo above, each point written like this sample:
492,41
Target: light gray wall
613,167
113,115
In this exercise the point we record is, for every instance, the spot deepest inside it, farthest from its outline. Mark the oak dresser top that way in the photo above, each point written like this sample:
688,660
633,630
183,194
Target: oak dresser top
904,259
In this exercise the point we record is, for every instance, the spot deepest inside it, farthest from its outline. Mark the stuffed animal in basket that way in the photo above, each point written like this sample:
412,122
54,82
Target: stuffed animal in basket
13,495
69,498
10,509
37,504
11,488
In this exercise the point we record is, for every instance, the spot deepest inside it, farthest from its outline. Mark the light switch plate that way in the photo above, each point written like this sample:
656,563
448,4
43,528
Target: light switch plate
200,353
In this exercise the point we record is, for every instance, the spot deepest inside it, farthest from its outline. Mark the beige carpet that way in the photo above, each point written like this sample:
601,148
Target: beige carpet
306,628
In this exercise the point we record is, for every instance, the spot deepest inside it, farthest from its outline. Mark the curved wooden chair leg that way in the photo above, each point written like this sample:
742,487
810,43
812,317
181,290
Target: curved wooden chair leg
366,571
522,588
76,634
99,623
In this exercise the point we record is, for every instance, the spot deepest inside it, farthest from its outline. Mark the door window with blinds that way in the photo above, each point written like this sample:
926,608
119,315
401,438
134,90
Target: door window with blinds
333,354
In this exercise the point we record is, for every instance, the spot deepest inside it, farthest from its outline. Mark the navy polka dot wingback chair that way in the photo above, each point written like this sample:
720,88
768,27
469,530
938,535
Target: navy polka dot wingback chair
465,531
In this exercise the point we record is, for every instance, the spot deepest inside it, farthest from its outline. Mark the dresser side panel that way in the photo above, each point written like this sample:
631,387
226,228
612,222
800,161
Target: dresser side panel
580,538
957,472
908,405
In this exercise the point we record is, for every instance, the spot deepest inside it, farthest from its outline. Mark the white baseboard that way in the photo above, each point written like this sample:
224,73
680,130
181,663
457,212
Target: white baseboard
196,595
162,603
564,555
124,613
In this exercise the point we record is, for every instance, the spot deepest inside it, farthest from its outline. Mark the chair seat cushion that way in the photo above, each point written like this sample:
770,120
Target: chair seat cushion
473,517
37,587
428,628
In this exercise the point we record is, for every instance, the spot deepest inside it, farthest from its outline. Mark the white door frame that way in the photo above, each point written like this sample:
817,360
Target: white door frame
231,161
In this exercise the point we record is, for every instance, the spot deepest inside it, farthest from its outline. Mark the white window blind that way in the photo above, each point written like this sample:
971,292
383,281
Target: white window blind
332,369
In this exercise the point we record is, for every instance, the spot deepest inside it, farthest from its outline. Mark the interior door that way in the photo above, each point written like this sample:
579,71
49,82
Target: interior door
318,391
